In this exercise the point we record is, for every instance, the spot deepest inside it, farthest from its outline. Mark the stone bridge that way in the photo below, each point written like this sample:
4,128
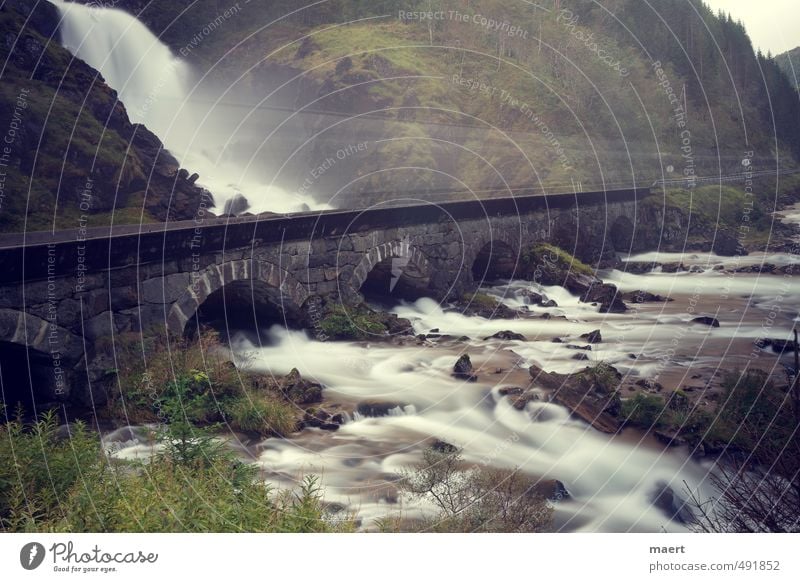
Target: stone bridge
65,295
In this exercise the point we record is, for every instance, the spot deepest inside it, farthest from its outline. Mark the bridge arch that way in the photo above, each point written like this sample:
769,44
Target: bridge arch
494,254
36,359
253,281
393,269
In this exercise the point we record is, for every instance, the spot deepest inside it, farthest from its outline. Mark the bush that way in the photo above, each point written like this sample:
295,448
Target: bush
645,411
475,499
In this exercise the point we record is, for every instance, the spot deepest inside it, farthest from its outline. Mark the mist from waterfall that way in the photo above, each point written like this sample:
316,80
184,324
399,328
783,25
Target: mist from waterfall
160,91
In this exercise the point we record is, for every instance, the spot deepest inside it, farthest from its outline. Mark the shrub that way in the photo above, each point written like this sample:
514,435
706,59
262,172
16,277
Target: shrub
477,498
645,411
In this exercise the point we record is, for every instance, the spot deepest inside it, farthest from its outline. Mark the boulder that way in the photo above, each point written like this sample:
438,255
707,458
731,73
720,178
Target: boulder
594,403
706,320
506,335
607,296
593,337
463,369
300,391
377,408
665,499
644,297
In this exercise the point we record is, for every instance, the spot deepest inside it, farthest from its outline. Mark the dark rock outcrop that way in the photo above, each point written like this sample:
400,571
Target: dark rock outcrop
587,394
706,320
463,369
76,134
593,337
506,335
298,390
377,408
644,297
607,296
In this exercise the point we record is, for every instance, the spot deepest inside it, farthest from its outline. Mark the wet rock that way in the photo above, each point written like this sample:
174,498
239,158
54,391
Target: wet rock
575,347
640,267
597,404
607,296
395,325
665,499
560,492
300,391
549,303
377,408
706,320
510,391
778,346
531,297
673,268
463,369
557,340
593,337
520,401
506,335
580,357
644,297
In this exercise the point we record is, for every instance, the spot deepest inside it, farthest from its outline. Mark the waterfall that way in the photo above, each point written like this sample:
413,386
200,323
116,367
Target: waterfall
149,79
157,89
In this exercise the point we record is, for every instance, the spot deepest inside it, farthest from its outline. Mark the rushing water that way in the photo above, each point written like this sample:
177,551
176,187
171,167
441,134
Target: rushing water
612,480
160,91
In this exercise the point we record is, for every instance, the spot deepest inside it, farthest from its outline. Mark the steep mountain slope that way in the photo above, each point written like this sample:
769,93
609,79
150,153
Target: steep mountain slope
789,62
493,95
72,157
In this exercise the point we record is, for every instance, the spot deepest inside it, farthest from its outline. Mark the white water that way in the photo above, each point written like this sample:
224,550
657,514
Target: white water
157,90
611,480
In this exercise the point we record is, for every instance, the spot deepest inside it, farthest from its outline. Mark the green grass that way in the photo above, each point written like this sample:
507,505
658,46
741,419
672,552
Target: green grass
52,483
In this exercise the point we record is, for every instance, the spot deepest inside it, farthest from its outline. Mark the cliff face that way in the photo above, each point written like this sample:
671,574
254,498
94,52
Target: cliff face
70,155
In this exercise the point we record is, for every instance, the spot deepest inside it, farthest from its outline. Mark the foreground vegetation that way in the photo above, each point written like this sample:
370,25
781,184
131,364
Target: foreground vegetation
472,498
64,482
157,378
